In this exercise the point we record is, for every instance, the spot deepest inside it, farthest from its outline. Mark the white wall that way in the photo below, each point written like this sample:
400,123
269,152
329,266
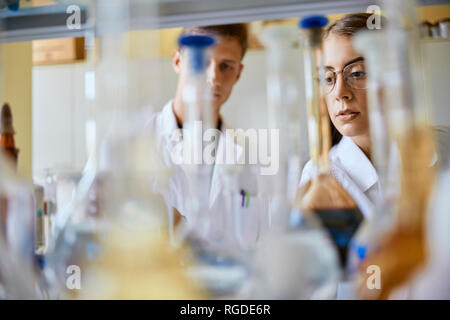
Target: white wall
58,117
437,71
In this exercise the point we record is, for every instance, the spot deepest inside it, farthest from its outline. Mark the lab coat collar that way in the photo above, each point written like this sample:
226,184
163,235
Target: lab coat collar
169,124
226,141
355,163
168,118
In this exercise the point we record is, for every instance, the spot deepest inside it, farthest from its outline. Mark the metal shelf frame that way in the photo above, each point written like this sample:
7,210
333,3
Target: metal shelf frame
33,23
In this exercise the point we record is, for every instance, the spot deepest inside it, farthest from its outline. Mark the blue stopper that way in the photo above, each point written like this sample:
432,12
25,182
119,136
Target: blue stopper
41,262
361,252
197,44
14,6
315,21
196,41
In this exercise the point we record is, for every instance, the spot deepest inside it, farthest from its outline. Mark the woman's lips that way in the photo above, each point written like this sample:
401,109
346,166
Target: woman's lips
347,116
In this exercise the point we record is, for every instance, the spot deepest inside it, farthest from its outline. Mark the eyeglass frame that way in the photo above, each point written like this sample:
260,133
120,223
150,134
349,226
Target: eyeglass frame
335,73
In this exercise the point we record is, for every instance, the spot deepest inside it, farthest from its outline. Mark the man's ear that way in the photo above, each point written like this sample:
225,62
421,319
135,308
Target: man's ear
176,61
241,67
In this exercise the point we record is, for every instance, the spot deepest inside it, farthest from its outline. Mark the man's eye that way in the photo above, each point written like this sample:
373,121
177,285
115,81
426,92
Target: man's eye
226,67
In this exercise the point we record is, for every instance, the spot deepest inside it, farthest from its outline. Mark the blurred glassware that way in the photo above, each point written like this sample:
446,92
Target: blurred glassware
444,26
300,263
198,120
435,31
17,264
121,183
402,251
283,116
323,196
425,29
7,132
384,153
296,259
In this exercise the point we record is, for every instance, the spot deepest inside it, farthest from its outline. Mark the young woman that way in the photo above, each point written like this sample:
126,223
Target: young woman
346,100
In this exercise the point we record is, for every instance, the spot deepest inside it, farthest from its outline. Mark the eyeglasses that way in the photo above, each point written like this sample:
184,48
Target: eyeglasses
354,75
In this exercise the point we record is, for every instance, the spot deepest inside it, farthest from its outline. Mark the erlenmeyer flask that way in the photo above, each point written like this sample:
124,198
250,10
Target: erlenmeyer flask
323,195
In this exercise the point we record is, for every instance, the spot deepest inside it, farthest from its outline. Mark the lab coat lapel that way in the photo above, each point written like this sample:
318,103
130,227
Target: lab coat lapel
226,143
356,164
362,201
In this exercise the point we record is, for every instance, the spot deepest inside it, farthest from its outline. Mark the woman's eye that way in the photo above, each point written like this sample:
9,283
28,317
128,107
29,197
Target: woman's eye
329,80
358,74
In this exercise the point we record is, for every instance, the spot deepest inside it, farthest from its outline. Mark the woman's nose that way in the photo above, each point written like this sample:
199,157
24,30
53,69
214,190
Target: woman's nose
342,90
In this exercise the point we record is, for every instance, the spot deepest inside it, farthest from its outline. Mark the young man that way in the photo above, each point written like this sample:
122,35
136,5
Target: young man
223,72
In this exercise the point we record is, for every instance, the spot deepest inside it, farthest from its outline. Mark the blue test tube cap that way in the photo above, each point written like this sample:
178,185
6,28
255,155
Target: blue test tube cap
40,262
196,41
314,21
14,6
198,44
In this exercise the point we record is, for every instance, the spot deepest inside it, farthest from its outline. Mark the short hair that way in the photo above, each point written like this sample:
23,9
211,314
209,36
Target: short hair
350,24
236,31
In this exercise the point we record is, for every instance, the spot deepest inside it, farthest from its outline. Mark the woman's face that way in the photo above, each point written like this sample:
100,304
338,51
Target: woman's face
346,103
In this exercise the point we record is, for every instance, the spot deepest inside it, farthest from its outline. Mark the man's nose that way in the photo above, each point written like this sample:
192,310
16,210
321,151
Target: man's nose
342,89
212,73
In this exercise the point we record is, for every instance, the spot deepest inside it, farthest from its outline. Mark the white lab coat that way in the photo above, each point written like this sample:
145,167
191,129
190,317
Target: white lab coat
354,171
177,194
356,174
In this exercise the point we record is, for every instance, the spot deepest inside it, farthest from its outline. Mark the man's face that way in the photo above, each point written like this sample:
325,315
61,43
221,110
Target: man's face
223,70
347,106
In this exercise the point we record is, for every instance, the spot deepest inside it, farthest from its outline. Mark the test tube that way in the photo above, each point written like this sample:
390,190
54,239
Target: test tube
383,149
284,116
198,118
323,195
